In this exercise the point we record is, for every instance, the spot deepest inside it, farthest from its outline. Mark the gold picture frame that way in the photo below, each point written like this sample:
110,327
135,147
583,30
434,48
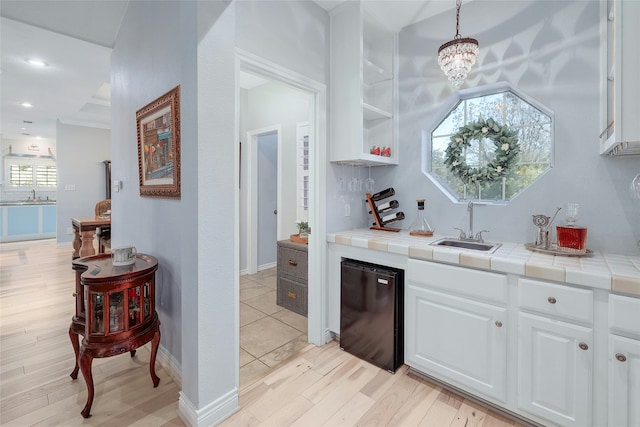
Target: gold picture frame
158,128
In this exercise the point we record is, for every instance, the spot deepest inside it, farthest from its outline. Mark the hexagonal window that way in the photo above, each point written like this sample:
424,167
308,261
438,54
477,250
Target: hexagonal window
491,144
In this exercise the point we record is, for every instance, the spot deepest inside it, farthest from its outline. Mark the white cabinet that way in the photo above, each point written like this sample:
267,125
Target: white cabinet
455,338
555,357
554,369
624,381
624,361
621,62
363,88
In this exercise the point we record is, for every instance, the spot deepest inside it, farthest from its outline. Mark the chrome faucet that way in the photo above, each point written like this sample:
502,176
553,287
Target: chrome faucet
33,194
469,237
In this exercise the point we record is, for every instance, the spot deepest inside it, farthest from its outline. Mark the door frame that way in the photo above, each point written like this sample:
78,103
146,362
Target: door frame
318,332
252,192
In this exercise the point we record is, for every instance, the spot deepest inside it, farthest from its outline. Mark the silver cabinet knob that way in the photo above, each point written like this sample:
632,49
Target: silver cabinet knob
498,324
551,300
583,346
621,357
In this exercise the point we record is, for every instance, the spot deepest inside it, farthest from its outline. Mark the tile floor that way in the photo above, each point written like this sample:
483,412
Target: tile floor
269,334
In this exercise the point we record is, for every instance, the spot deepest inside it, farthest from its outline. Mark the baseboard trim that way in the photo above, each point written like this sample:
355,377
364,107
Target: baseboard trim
267,266
211,414
170,364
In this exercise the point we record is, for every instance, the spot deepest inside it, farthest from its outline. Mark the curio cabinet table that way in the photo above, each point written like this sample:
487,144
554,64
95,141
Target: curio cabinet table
115,313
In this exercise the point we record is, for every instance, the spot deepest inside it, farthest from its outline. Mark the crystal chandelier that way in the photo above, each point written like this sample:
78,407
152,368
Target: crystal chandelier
457,56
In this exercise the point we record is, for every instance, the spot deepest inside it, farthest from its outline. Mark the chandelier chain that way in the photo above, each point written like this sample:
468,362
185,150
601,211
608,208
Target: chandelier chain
458,5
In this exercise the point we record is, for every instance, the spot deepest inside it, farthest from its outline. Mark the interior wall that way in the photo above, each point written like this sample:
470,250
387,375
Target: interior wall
267,105
141,71
550,51
93,146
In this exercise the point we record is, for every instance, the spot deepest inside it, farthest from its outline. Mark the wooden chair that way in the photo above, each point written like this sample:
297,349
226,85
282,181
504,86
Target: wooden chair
103,207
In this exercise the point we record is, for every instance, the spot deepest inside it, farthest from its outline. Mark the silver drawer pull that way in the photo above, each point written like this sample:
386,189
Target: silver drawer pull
293,262
551,300
621,357
583,346
498,324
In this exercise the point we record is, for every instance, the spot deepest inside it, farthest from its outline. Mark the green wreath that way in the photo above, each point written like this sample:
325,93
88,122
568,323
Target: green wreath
506,144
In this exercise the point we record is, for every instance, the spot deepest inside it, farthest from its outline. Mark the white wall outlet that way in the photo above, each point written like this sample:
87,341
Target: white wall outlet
116,185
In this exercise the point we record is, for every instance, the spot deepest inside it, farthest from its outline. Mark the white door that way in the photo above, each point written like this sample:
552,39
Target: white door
457,339
624,381
267,199
555,362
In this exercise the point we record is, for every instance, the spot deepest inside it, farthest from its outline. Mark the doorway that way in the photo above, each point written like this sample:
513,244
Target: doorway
267,194
314,193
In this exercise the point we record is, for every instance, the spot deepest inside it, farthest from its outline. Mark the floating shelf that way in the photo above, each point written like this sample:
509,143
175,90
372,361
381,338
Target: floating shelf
374,113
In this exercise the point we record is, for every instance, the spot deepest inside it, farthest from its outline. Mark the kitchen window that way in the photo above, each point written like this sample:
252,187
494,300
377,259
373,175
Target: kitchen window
24,173
532,122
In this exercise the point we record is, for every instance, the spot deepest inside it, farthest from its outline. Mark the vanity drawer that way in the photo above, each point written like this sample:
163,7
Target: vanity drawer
624,314
562,301
292,262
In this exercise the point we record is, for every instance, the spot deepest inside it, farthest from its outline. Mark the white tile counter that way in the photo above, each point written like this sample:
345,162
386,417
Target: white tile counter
620,273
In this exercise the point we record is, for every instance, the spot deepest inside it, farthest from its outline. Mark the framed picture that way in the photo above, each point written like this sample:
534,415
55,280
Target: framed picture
158,126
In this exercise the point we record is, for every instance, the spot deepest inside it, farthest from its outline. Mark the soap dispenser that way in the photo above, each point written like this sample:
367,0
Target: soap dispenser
421,225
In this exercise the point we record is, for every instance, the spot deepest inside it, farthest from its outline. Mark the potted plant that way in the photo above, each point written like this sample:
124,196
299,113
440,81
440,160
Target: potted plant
303,228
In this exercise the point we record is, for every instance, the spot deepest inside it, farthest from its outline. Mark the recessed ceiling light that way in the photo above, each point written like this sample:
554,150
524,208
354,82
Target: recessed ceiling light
27,121
26,134
36,62
23,128
26,104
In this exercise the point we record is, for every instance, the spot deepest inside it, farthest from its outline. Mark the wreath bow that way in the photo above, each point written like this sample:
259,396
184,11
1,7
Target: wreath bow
506,151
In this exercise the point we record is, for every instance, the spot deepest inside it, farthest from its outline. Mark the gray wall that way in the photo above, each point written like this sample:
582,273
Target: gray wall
160,46
550,51
92,146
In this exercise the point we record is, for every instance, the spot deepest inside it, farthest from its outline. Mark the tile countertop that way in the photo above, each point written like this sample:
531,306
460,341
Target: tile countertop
620,273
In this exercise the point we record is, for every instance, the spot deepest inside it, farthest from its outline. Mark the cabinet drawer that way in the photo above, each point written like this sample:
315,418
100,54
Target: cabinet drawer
292,295
292,262
466,281
624,314
563,301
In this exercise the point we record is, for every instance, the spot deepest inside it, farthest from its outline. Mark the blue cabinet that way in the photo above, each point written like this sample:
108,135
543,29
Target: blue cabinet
27,222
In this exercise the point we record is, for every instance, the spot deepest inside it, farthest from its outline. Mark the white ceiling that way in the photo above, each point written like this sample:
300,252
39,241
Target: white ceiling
75,39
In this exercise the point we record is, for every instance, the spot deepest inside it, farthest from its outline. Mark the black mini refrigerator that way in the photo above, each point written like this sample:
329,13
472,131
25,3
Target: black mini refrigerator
372,313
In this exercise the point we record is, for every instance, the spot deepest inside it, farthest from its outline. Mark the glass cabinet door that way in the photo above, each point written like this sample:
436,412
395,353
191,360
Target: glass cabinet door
97,303
116,311
146,300
134,306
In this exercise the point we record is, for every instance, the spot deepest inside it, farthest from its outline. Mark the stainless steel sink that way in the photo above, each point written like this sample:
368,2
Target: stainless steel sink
462,244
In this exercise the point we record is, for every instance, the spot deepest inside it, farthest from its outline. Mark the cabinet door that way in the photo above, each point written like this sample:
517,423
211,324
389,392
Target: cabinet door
624,381
457,339
555,369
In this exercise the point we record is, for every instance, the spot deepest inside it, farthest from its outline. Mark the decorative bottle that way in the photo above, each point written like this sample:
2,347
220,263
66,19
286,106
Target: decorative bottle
572,237
421,225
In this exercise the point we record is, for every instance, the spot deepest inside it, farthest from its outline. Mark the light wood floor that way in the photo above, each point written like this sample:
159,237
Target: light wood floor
320,386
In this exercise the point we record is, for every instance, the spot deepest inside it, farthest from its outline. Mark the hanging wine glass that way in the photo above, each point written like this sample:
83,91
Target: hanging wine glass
369,183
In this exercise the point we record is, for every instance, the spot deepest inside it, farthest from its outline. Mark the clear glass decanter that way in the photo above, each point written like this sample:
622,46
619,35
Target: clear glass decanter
421,225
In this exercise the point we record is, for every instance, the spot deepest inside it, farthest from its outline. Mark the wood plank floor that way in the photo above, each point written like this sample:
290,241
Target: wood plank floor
320,386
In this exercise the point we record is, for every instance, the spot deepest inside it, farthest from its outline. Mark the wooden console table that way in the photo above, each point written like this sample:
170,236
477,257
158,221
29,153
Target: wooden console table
84,228
115,313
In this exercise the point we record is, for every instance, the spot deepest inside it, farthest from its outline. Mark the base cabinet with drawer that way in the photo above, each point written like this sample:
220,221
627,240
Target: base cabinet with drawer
292,276
624,361
555,355
456,337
